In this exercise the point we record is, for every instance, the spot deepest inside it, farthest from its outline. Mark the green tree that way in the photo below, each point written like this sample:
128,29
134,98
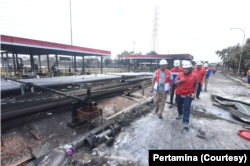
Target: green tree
125,62
152,53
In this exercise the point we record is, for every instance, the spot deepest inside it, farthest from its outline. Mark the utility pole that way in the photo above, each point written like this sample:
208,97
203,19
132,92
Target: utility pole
241,48
70,22
154,39
134,48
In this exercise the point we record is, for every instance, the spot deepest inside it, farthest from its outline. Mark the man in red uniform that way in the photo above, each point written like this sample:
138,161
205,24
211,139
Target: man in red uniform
175,72
162,85
201,74
248,78
187,85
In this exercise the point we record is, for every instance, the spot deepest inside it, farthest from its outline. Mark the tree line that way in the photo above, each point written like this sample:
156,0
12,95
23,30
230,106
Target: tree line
230,57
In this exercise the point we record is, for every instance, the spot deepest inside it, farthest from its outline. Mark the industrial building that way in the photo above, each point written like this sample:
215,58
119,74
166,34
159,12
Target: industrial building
151,62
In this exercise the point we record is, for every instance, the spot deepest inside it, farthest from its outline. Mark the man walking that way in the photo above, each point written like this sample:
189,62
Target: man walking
209,72
160,84
248,78
214,70
201,73
175,72
187,85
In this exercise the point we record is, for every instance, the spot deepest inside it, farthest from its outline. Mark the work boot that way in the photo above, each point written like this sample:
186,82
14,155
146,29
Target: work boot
179,116
197,97
170,105
205,90
160,116
156,110
186,126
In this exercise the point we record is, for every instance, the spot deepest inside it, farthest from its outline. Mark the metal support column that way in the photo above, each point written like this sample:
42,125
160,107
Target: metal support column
101,63
31,62
48,62
17,63
72,67
39,59
56,60
129,64
13,55
83,63
2,61
75,62
137,63
151,64
7,60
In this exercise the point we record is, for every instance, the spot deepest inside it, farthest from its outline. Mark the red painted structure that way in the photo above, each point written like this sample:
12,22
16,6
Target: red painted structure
17,45
17,41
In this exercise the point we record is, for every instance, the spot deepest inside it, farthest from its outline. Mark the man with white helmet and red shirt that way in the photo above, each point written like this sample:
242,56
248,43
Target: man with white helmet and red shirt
187,85
209,72
201,74
175,72
162,85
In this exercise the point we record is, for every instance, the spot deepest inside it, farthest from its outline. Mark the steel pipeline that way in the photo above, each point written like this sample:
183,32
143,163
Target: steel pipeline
22,103
63,83
44,107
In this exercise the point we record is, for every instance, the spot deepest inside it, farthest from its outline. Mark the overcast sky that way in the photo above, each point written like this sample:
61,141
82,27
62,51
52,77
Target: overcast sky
197,27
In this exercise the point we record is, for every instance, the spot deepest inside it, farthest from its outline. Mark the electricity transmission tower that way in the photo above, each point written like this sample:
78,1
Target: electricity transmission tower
154,40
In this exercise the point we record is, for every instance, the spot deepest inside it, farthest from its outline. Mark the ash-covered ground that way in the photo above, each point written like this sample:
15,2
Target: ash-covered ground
142,130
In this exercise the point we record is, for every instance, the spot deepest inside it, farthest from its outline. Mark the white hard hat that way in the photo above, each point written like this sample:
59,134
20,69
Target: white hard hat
163,62
198,63
183,61
205,65
176,63
187,64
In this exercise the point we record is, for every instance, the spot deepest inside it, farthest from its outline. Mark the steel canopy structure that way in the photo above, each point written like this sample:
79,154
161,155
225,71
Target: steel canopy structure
161,56
18,45
154,59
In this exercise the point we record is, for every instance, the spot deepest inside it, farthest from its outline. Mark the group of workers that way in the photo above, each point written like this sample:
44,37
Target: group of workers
183,80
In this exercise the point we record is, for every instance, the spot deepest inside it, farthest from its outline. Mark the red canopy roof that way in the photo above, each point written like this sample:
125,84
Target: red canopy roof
17,41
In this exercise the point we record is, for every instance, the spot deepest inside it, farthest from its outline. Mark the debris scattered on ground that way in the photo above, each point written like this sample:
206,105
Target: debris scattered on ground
239,109
201,134
123,137
126,118
88,159
36,133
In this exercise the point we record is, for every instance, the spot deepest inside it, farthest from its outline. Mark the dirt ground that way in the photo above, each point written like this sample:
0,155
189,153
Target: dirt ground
20,144
150,132
134,141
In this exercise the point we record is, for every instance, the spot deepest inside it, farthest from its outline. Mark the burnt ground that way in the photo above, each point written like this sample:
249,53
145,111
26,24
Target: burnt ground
144,133
207,131
51,126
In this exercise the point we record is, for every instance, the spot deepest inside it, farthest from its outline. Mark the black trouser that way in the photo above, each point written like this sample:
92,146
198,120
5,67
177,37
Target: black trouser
199,90
172,95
